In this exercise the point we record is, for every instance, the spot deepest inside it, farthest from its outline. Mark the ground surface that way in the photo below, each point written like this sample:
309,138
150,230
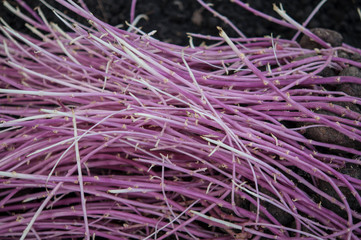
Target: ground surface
173,18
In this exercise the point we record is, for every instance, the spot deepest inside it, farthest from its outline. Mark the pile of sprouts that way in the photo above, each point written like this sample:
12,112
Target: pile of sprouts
112,134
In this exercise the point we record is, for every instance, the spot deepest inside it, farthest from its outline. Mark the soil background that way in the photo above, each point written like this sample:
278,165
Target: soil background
174,18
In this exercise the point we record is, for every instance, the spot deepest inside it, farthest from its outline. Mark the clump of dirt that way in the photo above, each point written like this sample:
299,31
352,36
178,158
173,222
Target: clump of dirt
327,134
332,37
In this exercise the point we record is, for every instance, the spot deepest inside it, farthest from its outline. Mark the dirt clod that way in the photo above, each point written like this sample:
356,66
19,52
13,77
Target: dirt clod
332,37
351,170
352,56
351,89
331,136
282,217
328,72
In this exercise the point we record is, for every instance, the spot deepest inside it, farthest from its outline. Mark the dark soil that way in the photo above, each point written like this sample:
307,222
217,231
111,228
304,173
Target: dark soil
174,18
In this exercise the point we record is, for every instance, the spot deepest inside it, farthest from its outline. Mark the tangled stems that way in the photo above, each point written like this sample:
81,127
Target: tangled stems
114,134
